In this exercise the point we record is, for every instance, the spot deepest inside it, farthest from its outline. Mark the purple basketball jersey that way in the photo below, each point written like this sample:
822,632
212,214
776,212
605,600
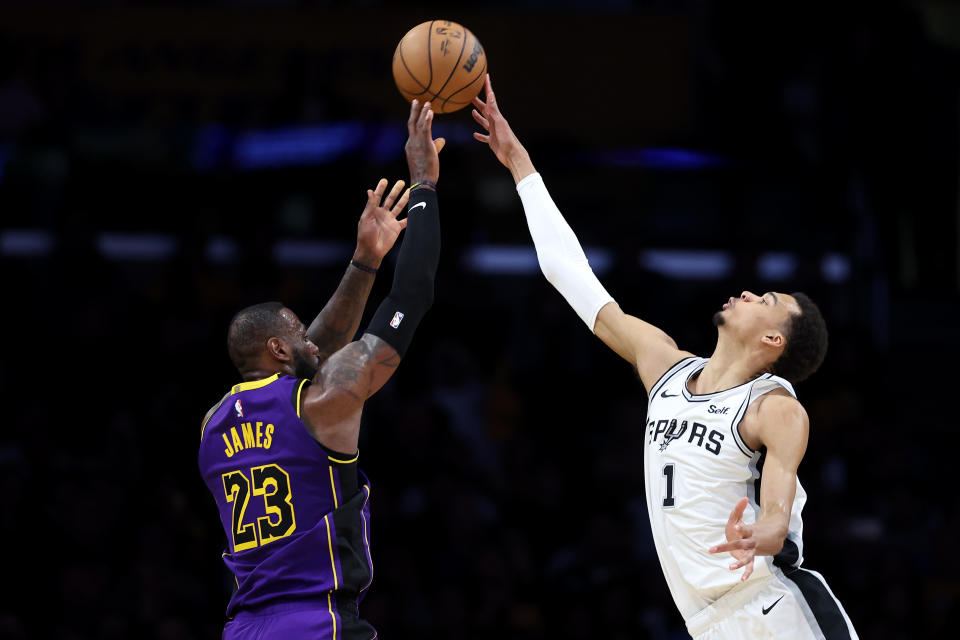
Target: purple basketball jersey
296,516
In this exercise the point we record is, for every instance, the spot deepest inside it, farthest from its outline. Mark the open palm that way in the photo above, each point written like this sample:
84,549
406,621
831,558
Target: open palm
379,225
740,541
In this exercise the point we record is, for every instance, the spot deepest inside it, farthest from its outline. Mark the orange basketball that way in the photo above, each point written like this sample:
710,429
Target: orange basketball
440,62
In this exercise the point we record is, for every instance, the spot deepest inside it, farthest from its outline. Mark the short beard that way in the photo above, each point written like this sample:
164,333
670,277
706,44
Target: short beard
303,368
718,319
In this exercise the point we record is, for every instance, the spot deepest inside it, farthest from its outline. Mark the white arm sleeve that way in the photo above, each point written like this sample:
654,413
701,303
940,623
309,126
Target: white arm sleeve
559,253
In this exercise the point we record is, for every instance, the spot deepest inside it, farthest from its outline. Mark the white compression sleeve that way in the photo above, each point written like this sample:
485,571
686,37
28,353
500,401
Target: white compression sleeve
561,258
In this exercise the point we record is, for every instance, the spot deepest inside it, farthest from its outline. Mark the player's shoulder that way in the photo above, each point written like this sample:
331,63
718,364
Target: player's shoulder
776,416
780,403
667,370
210,412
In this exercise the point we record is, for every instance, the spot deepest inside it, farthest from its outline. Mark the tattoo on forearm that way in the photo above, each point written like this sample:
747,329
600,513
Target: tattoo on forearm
339,320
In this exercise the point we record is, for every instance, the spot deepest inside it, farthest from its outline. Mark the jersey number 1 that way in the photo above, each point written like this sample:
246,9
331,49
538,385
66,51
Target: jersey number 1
668,501
271,482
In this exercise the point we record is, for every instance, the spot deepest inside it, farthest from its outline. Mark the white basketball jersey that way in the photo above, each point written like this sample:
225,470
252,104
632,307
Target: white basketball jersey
697,469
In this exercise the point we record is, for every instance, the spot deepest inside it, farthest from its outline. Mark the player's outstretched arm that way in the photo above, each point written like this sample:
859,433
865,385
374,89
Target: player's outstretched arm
332,405
781,425
563,261
378,229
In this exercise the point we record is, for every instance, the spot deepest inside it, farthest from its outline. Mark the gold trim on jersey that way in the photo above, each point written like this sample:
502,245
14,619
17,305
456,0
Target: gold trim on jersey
332,614
338,460
333,489
235,578
253,384
299,389
333,563
336,583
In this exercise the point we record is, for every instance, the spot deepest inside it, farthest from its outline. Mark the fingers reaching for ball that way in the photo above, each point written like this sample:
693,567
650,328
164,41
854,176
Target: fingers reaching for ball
483,122
499,136
491,100
421,148
416,110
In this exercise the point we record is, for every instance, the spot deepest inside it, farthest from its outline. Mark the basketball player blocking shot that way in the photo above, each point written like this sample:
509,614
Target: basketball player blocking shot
724,435
279,451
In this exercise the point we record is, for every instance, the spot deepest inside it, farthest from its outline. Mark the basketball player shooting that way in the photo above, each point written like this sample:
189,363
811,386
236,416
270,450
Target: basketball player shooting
724,435
279,451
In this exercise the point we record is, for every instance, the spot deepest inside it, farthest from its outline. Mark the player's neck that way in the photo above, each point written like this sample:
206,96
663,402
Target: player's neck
729,366
263,371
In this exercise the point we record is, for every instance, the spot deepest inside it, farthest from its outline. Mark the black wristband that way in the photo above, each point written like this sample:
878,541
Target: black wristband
362,267
411,296
424,184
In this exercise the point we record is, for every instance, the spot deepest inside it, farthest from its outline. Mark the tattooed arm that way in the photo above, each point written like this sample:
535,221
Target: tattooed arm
336,325
333,403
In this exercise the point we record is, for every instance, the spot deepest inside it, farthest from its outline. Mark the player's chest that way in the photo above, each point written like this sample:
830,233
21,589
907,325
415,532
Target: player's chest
691,429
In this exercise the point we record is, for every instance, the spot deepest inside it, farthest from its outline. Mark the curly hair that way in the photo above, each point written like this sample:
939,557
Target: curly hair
249,331
806,334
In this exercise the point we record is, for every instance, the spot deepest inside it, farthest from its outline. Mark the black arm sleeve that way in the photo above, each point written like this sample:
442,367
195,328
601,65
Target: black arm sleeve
412,294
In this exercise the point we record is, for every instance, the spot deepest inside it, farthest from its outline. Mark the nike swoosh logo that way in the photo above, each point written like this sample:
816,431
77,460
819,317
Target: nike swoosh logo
767,610
664,394
419,204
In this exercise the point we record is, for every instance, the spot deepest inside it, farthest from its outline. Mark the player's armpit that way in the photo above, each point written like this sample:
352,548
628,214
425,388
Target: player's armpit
640,343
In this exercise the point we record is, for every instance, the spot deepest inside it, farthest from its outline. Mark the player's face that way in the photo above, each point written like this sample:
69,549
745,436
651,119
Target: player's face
753,316
306,355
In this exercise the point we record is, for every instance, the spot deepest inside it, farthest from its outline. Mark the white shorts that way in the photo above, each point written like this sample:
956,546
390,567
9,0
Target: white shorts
794,604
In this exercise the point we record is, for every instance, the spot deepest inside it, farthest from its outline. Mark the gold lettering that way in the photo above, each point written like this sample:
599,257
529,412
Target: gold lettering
229,450
248,440
236,439
269,439
259,434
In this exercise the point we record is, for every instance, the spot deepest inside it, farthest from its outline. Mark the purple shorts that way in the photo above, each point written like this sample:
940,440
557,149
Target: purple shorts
298,621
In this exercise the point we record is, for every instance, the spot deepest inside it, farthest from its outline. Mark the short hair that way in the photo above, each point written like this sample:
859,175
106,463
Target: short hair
806,342
249,331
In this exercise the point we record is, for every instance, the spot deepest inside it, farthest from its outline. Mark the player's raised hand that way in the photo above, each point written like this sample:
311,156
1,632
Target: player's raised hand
499,136
740,541
422,150
379,227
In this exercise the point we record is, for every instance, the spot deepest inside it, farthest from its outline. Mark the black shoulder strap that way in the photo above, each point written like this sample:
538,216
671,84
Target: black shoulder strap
295,393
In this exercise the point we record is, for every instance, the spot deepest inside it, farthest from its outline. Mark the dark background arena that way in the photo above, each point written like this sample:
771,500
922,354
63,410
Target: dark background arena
162,166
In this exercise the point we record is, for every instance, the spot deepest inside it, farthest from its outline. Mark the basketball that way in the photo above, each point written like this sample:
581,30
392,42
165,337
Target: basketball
441,62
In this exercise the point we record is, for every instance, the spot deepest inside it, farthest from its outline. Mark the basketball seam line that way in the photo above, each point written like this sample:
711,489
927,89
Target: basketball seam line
430,56
479,75
410,73
456,65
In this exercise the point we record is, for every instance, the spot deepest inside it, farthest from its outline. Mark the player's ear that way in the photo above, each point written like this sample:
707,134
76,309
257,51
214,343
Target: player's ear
773,339
278,349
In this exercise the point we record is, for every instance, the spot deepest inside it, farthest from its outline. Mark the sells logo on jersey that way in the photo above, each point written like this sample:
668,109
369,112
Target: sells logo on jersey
397,319
239,408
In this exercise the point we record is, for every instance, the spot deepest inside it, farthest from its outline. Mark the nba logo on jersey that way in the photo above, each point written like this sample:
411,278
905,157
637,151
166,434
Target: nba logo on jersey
397,319
239,408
